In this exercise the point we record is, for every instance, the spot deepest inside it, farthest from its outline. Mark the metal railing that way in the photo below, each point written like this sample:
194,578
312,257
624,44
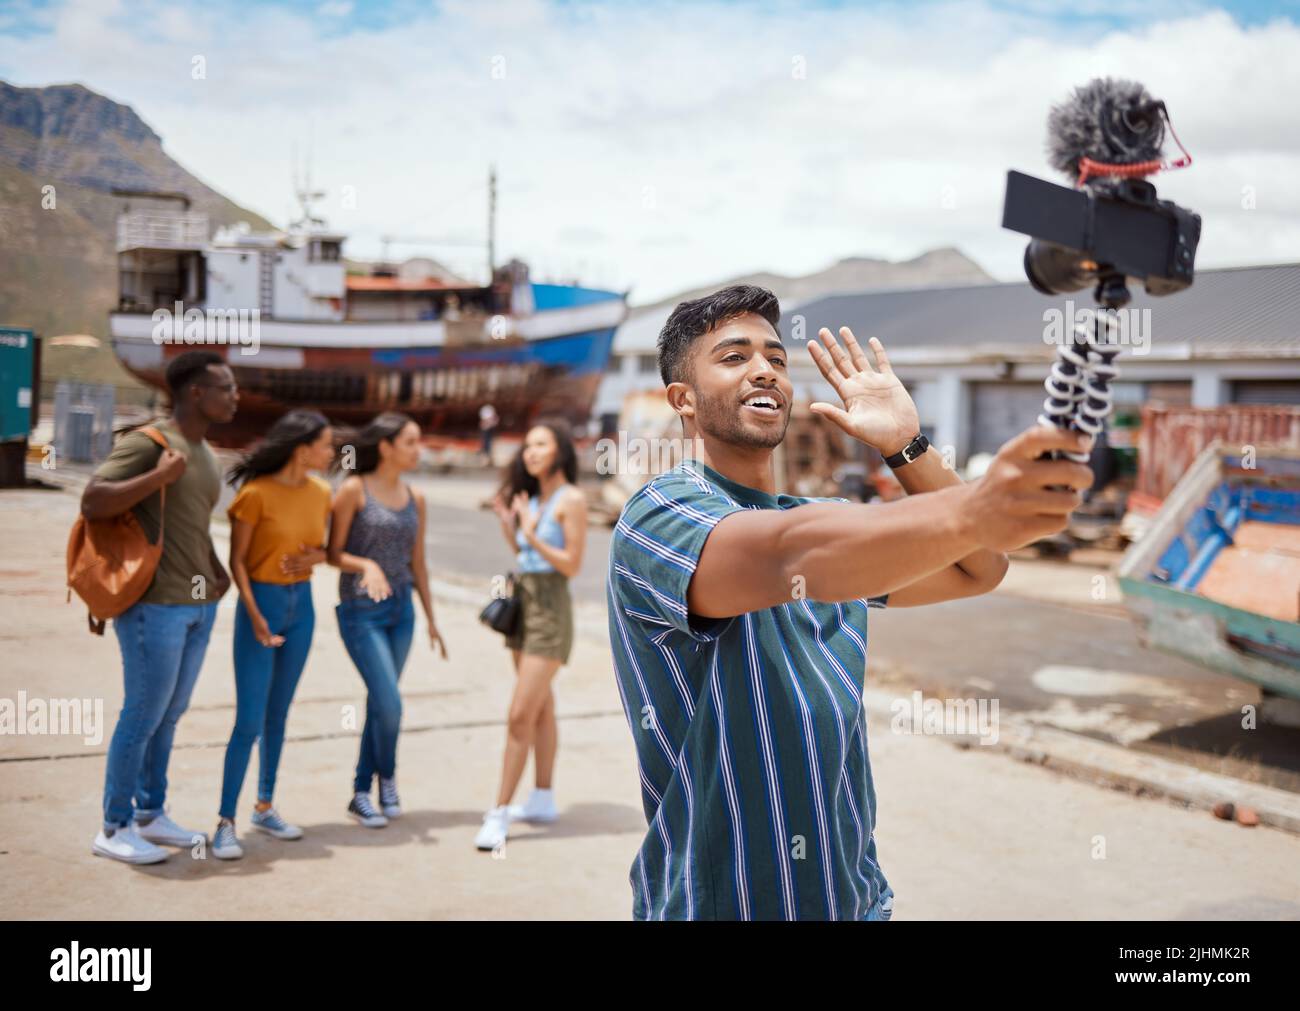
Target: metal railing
162,230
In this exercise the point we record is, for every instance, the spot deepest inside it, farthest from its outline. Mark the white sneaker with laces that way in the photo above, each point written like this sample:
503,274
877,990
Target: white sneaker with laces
496,827
165,832
540,807
127,846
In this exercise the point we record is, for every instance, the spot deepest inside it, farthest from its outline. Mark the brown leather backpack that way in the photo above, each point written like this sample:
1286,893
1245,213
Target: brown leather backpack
111,561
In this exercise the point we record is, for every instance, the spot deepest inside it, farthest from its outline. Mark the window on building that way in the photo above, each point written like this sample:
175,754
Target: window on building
647,365
323,251
1266,391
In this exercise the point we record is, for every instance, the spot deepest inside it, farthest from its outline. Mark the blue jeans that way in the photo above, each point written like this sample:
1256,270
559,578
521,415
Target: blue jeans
378,638
162,651
265,680
883,909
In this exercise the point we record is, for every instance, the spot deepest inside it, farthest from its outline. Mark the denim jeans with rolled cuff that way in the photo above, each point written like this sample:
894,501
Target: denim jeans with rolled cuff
162,647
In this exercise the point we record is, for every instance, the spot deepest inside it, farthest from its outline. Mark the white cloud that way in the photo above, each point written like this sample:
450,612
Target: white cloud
667,146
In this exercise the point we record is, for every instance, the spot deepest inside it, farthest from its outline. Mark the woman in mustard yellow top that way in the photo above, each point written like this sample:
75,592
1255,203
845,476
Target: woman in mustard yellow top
277,533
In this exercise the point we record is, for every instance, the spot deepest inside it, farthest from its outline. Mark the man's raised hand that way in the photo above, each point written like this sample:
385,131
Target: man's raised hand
877,407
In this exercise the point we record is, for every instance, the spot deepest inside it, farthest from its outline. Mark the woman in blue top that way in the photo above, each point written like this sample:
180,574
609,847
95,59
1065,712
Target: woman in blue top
377,541
544,517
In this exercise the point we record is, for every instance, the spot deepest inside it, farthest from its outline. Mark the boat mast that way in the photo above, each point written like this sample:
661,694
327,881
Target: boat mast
307,197
492,223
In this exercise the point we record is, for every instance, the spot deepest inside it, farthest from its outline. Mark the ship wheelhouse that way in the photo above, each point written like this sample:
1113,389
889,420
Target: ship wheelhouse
299,330
160,259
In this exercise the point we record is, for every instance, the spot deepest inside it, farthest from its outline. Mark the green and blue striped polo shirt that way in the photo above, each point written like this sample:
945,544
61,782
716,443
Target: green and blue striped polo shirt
751,738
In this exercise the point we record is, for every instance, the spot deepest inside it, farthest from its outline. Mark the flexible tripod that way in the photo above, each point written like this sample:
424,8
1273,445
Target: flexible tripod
1078,388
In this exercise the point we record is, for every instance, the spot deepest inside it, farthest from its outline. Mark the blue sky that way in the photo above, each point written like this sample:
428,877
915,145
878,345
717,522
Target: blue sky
382,14
664,146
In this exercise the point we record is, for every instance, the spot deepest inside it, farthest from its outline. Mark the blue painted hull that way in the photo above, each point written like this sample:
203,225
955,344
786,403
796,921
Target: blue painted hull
441,387
1162,573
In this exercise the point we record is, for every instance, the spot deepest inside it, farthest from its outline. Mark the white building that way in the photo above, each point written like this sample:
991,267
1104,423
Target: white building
975,356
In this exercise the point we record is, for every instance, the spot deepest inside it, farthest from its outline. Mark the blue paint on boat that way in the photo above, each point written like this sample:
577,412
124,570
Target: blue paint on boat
576,354
565,296
1214,525
1202,515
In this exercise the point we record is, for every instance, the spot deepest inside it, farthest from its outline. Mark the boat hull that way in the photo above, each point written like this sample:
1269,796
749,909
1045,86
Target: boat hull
441,387
1164,575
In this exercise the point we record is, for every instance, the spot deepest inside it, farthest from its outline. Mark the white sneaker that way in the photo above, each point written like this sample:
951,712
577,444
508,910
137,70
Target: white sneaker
165,832
225,844
127,846
496,826
540,807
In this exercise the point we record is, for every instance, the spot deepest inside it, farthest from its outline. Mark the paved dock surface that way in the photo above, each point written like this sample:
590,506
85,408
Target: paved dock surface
961,833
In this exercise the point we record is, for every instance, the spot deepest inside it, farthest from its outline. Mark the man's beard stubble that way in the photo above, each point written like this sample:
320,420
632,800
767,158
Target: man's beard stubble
720,419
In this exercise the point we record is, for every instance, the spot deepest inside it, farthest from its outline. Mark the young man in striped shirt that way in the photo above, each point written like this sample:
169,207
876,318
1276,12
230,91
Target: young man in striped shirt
738,617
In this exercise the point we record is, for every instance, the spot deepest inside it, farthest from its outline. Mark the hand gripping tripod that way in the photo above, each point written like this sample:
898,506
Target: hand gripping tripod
1079,396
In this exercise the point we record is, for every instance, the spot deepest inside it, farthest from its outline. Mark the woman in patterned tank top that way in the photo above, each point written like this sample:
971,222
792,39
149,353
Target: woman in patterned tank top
377,542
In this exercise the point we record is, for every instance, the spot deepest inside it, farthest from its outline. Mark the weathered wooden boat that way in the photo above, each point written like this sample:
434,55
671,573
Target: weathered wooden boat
299,330
1216,577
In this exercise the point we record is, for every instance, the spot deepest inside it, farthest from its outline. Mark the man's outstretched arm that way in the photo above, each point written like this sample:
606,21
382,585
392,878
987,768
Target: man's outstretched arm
879,412
979,572
755,559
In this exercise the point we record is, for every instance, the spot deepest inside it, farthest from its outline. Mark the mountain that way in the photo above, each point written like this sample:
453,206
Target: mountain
58,264
936,268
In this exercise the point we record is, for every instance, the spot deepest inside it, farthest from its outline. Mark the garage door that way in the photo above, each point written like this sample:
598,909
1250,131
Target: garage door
1266,391
1000,411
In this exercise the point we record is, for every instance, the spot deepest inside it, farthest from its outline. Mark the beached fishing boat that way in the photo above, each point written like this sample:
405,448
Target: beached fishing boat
1216,577
299,330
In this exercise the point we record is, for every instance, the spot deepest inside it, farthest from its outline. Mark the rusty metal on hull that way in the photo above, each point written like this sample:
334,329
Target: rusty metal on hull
444,398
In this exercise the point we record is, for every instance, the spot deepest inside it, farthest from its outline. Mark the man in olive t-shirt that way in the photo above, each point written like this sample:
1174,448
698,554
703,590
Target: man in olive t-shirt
163,636
187,564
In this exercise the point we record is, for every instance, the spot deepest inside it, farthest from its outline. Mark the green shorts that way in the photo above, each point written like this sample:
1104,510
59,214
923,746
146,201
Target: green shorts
546,619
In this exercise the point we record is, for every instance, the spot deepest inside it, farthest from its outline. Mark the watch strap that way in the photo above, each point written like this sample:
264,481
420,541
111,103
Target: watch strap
914,449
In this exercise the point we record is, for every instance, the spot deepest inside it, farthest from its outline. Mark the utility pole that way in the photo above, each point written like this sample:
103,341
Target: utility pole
492,223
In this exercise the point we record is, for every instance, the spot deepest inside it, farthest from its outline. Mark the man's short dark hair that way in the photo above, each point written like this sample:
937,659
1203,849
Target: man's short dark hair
698,316
189,368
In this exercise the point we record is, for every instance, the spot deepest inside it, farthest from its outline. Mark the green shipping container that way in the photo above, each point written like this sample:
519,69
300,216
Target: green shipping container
17,364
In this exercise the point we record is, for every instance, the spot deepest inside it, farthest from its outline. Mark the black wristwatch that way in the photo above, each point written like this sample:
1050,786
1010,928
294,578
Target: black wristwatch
908,453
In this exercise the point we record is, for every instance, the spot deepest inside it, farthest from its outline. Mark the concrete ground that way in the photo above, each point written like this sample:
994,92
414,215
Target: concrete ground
1053,644
962,833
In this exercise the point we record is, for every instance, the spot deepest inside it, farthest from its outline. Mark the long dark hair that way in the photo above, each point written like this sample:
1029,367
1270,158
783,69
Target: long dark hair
365,443
518,479
297,428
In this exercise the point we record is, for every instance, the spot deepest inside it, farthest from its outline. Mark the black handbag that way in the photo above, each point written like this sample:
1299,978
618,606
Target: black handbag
502,613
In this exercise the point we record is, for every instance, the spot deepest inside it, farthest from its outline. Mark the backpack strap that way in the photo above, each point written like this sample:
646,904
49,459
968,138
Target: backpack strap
97,625
156,436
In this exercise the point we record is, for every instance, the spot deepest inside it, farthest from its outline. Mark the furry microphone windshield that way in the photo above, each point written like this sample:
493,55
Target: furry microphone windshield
1108,122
